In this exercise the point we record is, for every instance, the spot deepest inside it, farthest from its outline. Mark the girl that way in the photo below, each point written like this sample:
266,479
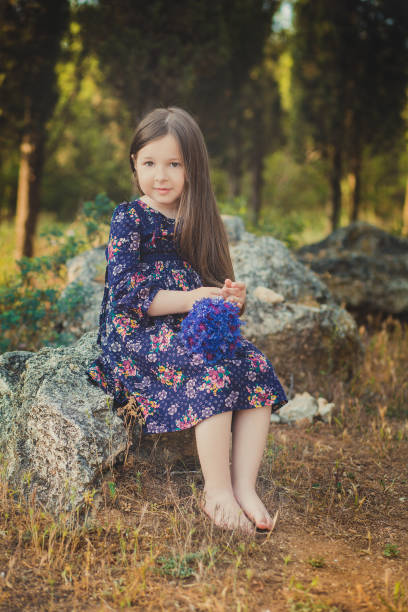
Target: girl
166,250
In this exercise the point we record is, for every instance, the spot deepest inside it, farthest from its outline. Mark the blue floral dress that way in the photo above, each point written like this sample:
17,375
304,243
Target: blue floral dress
143,357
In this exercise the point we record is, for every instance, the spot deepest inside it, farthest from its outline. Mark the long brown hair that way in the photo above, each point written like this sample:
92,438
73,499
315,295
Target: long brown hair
200,232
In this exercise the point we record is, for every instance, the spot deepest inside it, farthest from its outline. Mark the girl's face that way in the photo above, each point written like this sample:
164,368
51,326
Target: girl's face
161,174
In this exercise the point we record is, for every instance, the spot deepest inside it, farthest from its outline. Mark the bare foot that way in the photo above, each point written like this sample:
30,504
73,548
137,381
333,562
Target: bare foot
223,509
254,509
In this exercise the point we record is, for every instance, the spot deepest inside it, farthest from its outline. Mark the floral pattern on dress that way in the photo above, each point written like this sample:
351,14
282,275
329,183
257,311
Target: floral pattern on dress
188,420
147,405
125,325
170,376
143,357
136,279
127,367
260,397
258,362
215,379
134,215
158,269
162,341
181,280
97,375
114,246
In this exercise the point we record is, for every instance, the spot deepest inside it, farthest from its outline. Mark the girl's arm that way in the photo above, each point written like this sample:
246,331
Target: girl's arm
171,302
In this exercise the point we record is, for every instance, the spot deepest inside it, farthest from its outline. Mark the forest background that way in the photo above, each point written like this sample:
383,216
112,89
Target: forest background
303,105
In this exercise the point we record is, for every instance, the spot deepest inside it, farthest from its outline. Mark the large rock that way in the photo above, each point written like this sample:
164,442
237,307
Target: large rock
364,267
307,335
57,430
87,272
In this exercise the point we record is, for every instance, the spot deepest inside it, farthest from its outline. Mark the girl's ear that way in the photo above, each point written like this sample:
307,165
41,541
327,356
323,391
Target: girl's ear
134,156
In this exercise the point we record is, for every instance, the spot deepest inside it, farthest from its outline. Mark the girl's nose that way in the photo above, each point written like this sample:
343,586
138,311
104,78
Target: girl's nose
160,173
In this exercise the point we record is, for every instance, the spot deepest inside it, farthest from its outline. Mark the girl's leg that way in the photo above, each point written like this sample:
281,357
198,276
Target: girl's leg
249,432
213,445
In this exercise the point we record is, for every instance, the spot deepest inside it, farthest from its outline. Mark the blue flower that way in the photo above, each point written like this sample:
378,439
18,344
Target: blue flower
212,329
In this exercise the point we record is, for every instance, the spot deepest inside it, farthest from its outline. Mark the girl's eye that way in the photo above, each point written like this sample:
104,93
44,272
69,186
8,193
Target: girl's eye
175,164
147,163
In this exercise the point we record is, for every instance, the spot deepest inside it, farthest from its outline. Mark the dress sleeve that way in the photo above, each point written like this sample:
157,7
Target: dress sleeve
132,289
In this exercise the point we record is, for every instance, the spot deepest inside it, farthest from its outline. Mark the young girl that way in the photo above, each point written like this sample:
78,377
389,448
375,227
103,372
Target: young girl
166,250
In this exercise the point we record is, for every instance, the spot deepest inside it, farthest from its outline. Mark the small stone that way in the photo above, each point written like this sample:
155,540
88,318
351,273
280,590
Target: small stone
325,409
275,418
268,295
302,406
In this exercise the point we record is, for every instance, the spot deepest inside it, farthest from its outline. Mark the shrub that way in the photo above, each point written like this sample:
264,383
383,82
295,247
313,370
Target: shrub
32,308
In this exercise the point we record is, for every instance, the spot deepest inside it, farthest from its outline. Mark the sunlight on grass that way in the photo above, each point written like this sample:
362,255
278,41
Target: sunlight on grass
8,266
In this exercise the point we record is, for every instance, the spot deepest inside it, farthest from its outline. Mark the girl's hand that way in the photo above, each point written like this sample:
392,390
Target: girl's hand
200,293
234,292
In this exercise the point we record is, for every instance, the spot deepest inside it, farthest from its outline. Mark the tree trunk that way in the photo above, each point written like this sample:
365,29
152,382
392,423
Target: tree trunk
257,185
235,173
28,195
357,163
335,184
235,182
405,213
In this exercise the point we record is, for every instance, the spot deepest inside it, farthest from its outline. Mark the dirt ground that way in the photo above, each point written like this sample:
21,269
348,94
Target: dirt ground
341,539
340,542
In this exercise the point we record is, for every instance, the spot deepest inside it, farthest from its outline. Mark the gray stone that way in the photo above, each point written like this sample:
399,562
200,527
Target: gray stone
308,333
234,226
267,262
87,270
12,366
364,267
267,295
325,409
302,406
57,430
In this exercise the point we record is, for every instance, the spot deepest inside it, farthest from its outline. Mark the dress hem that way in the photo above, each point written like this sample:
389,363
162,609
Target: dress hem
274,409
117,404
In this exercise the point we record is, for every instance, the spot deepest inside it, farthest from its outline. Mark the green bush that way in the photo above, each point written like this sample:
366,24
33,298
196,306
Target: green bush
33,304
286,228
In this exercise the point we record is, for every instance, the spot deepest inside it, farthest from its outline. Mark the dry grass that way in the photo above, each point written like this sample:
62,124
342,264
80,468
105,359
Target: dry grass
340,544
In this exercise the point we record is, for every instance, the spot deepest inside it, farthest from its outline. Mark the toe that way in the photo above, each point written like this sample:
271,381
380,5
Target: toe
267,522
264,523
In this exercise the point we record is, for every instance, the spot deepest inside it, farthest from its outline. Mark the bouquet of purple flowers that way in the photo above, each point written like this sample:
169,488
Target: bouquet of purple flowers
212,329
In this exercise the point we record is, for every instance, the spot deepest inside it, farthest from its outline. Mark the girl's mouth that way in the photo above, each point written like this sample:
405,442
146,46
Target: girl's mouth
163,189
